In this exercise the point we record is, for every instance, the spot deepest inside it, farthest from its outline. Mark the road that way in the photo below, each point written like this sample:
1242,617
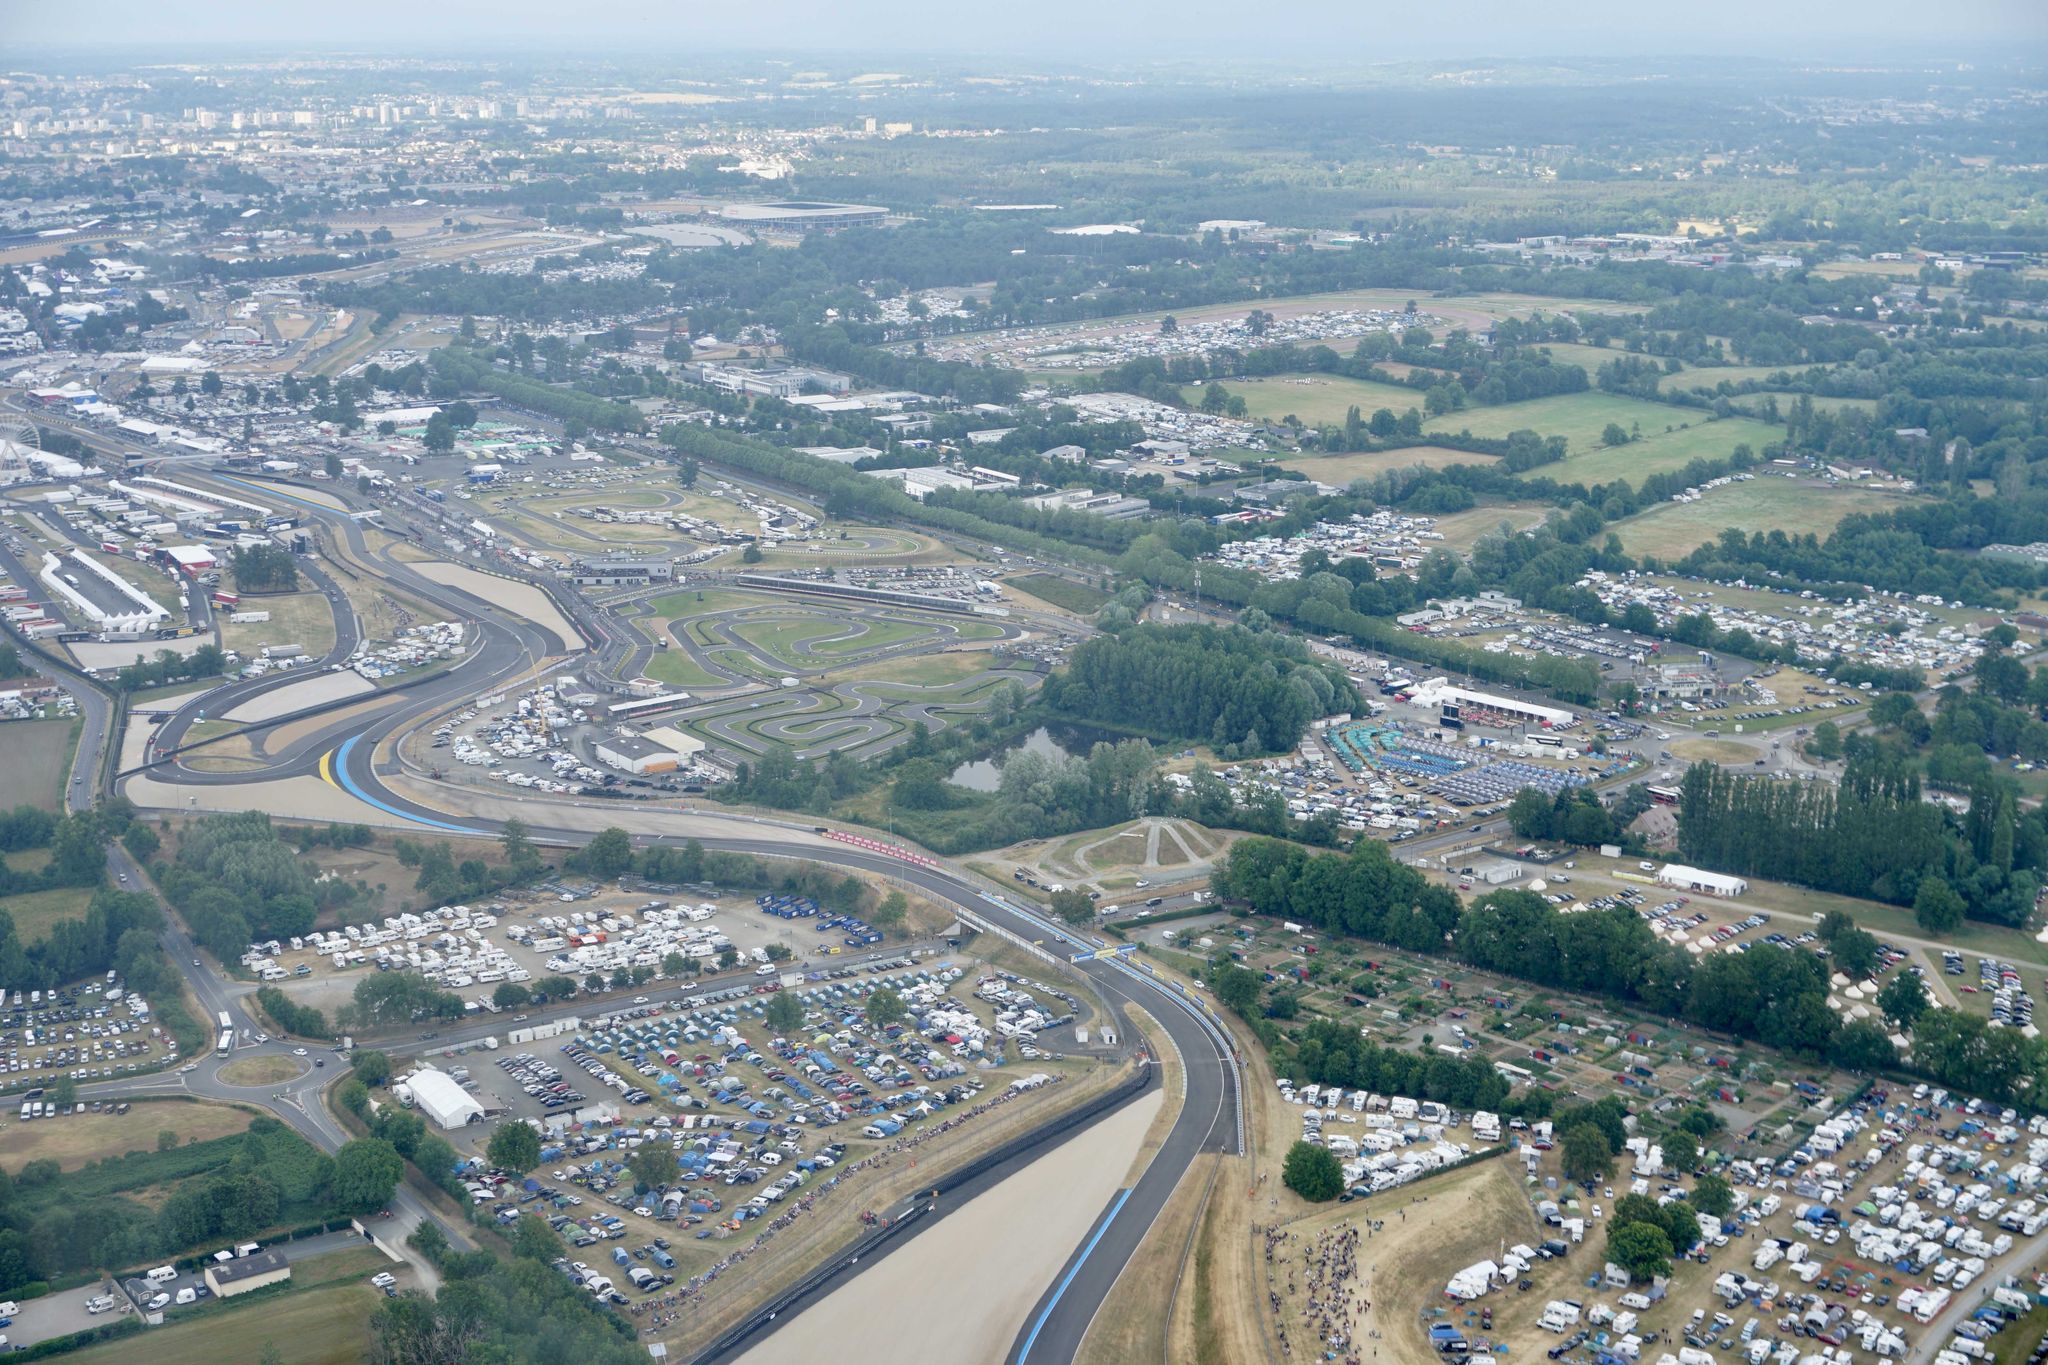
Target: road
344,751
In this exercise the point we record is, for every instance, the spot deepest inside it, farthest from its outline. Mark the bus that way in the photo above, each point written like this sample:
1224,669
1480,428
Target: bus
227,1042
1664,796
226,1024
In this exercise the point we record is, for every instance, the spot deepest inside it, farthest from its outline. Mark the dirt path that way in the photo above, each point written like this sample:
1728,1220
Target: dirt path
960,1292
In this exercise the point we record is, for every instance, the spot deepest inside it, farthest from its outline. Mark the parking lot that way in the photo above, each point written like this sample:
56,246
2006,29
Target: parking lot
746,1118
87,1032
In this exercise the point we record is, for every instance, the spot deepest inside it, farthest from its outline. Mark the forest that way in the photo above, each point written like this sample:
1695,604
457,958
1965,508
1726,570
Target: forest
1230,688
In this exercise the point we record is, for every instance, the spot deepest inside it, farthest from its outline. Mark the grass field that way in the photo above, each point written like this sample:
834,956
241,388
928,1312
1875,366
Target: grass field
705,601
1317,399
1668,451
678,669
270,1070
1063,593
1710,378
924,670
36,912
1461,529
1754,402
1671,530
328,1325
298,618
1587,358
1364,464
85,1138
36,755
1582,418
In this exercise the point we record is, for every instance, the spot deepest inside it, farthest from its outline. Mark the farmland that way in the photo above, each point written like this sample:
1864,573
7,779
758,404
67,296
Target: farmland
37,753
1669,438
1317,399
1671,530
1364,464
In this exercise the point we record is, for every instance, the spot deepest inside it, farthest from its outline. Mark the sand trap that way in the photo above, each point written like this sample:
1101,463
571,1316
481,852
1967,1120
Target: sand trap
312,691
521,599
998,1253
304,798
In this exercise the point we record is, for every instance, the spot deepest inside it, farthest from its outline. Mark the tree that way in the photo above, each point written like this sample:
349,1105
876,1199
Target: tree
653,1165
1586,1154
1903,1000
1642,1249
884,1008
1313,1172
514,1146
728,958
752,553
1936,906
784,1013
1236,987
890,914
1614,435
1855,951
366,1172
1073,906
440,434
371,1066
608,854
511,995
64,1092
1713,1194
1681,1151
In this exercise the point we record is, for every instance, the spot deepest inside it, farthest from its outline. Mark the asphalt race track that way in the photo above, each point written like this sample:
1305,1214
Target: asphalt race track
342,752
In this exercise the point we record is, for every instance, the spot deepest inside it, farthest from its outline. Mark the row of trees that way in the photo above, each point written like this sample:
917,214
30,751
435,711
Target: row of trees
1870,835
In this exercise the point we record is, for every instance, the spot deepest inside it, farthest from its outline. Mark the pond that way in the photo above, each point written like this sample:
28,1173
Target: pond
1053,741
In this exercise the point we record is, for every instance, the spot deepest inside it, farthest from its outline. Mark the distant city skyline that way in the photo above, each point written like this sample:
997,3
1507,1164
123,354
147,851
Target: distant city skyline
1318,33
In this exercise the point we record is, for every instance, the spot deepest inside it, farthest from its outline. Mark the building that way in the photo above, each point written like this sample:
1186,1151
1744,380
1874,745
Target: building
189,560
633,754
684,746
229,1278
803,215
610,572
1684,878
1678,682
441,1099
1526,712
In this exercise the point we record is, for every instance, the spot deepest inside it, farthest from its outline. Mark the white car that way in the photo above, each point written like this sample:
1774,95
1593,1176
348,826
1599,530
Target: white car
383,1278
298,1052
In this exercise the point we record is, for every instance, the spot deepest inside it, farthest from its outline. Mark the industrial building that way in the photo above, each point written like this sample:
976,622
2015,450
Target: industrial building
632,754
625,569
441,1099
803,215
675,741
246,1273
1683,878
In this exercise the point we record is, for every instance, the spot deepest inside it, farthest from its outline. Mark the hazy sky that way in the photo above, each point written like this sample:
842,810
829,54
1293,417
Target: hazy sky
1315,32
